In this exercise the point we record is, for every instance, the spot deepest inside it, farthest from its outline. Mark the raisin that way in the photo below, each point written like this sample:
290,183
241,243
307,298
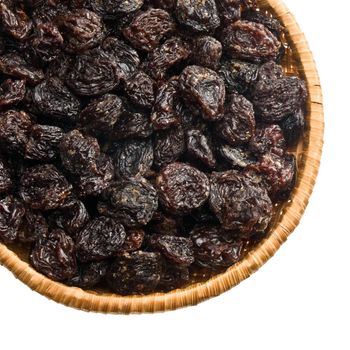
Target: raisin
238,125
279,174
52,99
140,89
101,114
238,76
5,177
43,187
250,41
111,9
54,256
133,157
137,272
168,5
272,24
170,54
207,52
33,227
43,142
237,156
48,12
275,96
239,203
199,147
268,138
172,277
229,10
164,114
94,73
169,145
131,201
148,28
163,225
79,153
45,46
198,16
101,238
182,188
293,127
11,92
82,30
89,274
204,89
59,68
16,66
14,130
133,240
177,250
71,218
133,125
215,248
11,215
15,22
125,57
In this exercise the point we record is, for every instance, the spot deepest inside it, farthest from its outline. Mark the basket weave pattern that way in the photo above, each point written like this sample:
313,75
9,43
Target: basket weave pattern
309,155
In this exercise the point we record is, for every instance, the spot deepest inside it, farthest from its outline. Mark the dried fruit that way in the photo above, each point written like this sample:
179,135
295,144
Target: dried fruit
229,10
54,256
250,41
115,8
43,187
137,272
5,177
11,216
11,92
101,238
148,28
199,16
182,188
204,89
237,156
131,201
239,203
133,240
293,127
33,227
207,52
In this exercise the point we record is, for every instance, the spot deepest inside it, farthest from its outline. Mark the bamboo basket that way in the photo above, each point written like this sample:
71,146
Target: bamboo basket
300,60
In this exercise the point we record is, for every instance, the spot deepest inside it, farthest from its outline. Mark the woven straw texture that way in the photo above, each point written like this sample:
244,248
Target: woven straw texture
309,155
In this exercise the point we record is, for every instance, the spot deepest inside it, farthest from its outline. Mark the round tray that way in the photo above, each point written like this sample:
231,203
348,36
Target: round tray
309,155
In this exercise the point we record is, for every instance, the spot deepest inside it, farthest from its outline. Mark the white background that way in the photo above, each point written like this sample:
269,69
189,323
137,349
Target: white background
298,300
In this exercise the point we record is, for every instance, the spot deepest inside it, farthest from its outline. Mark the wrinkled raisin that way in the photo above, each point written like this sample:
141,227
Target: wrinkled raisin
11,92
293,127
5,177
207,52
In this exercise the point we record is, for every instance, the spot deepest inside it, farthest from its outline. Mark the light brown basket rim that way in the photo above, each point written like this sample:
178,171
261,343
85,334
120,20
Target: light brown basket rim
311,155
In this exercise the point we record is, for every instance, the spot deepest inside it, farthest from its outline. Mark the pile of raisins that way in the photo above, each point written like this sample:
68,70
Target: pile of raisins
143,142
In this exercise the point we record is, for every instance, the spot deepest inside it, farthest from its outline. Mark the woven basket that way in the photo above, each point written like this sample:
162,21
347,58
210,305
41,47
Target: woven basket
299,59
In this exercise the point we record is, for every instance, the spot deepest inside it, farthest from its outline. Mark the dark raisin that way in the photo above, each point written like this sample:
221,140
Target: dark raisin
48,11
177,250
293,127
43,187
207,52
239,203
238,124
11,92
14,130
199,16
182,188
203,89
89,274
43,142
172,277
164,114
101,238
229,10
237,156
164,4
111,9
5,177
15,66
148,28
268,138
54,256
131,201
101,114
163,58
215,248
140,89
52,99
33,227
169,145
133,240
199,147
250,41
133,157
163,225
82,30
11,216
137,272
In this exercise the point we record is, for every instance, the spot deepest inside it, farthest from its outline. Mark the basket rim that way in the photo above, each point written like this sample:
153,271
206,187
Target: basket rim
196,293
